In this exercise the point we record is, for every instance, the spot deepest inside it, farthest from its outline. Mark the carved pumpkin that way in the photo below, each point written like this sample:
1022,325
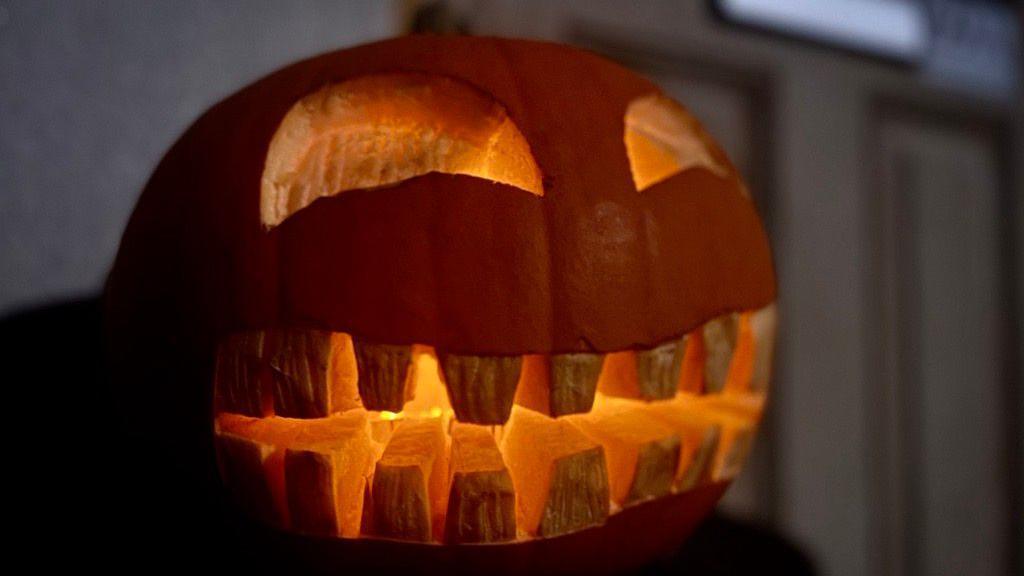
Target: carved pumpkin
452,291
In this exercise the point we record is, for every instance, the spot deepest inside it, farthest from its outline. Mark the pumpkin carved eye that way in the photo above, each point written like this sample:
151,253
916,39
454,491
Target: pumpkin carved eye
663,139
382,129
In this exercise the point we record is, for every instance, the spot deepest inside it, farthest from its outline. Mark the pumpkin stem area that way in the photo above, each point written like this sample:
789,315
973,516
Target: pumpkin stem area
324,434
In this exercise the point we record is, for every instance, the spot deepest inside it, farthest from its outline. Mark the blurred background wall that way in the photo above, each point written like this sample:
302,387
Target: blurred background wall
93,93
892,191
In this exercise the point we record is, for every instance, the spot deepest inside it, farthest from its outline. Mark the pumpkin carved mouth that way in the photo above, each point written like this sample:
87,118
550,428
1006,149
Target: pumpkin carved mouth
322,433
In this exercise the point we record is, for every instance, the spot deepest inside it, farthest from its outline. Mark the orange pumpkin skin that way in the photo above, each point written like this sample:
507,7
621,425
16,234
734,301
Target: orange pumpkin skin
460,263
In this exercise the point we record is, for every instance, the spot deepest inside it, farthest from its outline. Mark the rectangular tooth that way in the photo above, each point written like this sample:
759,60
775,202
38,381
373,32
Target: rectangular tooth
559,474
574,382
248,469
251,459
240,374
559,384
762,325
737,416
700,438
315,470
326,467
736,444
699,469
720,337
384,382
658,369
642,453
481,499
481,388
647,374
410,482
309,478
314,373
656,469
299,360
578,494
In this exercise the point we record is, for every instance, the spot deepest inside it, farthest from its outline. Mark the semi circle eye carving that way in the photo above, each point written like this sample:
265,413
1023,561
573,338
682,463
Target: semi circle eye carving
382,129
663,139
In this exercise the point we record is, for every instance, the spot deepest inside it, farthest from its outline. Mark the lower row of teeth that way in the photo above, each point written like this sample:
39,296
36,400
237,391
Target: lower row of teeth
324,434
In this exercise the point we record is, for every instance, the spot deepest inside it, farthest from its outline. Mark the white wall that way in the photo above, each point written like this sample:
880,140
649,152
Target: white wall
92,94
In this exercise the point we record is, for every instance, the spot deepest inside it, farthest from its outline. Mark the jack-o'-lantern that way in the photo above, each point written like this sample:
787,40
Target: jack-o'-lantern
462,301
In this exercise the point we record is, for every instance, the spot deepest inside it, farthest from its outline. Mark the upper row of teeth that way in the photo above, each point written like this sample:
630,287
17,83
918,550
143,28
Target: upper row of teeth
302,373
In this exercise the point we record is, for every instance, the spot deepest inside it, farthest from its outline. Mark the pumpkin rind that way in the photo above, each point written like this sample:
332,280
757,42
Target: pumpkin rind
473,268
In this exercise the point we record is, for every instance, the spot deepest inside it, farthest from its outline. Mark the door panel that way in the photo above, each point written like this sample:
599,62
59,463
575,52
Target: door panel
944,483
